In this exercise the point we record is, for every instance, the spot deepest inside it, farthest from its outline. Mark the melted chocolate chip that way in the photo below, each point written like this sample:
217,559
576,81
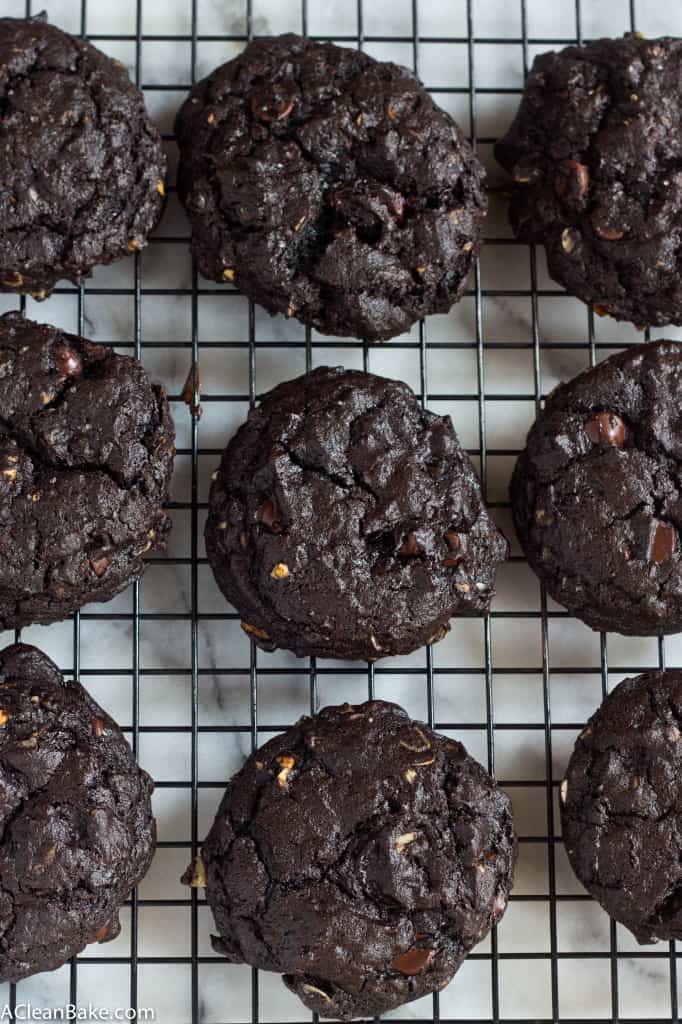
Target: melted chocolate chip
99,565
191,391
67,362
573,181
266,515
452,539
606,428
272,104
414,961
603,229
410,547
102,934
664,542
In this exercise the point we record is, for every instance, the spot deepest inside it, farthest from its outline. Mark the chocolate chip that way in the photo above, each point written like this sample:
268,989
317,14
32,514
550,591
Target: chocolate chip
102,934
396,205
99,565
606,428
266,515
67,362
664,542
191,391
604,230
410,547
573,181
362,205
452,539
414,961
499,905
272,104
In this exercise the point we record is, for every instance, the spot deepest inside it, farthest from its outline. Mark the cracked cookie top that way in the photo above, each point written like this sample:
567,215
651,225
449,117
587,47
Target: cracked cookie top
329,186
361,855
595,153
346,521
596,492
621,805
75,810
81,164
86,456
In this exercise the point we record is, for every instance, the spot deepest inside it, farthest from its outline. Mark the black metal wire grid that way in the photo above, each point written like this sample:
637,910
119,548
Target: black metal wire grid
533,968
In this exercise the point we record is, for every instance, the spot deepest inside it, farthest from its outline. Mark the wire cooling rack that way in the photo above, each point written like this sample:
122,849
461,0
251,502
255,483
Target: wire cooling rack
168,659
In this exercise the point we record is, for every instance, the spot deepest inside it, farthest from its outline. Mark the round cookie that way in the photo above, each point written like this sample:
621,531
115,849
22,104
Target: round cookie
346,521
621,805
594,151
77,826
596,493
330,187
86,456
361,855
81,166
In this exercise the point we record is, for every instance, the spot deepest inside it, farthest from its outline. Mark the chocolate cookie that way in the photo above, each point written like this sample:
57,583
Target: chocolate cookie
77,826
329,186
362,856
595,150
621,805
81,165
596,494
86,456
345,520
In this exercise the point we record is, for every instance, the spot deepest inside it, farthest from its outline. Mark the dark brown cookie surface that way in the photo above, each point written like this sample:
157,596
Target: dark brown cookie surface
596,493
346,521
86,456
329,186
594,151
77,826
361,855
621,805
81,165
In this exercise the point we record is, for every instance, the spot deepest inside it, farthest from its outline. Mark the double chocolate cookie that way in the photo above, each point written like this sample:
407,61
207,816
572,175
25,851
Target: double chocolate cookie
361,855
77,826
86,456
81,165
595,154
621,805
329,186
346,521
597,493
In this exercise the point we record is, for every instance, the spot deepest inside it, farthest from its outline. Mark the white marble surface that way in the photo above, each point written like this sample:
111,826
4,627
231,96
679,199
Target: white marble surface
525,987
